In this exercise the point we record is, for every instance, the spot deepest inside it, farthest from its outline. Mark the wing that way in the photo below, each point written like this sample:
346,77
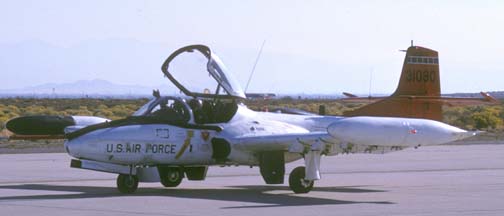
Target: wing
280,142
302,142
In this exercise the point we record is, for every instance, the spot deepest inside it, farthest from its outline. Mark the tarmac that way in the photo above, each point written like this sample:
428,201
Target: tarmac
439,180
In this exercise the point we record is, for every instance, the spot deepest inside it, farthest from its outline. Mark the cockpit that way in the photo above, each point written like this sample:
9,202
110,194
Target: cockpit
212,92
167,108
193,111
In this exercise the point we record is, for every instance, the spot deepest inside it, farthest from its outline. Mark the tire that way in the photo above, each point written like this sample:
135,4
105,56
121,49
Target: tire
173,177
127,183
297,183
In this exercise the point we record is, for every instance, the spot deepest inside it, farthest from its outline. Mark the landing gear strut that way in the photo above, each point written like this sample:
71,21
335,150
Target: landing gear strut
127,183
171,176
297,181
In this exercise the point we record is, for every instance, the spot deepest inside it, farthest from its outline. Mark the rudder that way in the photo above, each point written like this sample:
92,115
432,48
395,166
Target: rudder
420,73
419,78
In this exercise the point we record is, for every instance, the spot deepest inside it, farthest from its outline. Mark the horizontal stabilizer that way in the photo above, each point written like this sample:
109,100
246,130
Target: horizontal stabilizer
350,95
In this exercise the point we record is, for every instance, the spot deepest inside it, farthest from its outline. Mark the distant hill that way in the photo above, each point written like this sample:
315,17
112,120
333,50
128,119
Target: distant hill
87,88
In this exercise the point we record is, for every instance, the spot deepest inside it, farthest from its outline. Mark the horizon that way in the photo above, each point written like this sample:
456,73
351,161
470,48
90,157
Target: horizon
47,91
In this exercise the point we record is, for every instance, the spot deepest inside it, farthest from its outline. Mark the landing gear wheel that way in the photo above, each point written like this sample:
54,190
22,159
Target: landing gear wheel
173,177
297,183
127,183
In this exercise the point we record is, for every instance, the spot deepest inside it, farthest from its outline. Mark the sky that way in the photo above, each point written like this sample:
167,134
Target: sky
313,47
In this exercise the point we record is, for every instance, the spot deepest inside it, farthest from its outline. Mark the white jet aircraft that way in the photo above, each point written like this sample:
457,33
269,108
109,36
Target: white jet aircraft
170,138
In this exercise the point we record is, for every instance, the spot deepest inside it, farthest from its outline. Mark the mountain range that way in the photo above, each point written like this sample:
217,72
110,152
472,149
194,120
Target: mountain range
83,88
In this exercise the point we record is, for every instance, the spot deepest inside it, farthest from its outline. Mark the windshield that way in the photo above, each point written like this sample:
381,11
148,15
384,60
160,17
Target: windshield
198,72
228,82
144,108
165,108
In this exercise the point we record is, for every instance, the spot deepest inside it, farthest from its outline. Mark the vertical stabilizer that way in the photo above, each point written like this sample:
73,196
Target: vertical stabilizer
420,73
419,78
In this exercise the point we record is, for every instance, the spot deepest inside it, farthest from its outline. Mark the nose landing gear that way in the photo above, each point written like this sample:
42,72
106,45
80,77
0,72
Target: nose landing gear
170,176
127,183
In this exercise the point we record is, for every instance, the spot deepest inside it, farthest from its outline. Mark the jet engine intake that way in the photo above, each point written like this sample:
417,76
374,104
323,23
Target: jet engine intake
220,149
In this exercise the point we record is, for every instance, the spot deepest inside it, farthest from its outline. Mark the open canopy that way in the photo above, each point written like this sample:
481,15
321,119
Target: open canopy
198,72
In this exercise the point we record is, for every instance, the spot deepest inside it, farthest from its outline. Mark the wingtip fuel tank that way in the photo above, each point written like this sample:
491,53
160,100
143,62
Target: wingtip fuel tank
385,131
49,125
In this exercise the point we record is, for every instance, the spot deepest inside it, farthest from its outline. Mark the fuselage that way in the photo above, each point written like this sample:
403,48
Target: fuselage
145,144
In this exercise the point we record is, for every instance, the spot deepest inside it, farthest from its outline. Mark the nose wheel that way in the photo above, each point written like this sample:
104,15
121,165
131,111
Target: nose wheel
172,177
297,181
127,183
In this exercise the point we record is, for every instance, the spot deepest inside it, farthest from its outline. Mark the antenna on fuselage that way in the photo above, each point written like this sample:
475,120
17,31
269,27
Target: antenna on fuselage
255,64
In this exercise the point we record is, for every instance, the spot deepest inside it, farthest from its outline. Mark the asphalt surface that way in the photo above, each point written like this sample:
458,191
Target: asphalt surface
442,180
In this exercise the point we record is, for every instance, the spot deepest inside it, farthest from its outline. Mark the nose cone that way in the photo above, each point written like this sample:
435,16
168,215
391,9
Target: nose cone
80,147
72,148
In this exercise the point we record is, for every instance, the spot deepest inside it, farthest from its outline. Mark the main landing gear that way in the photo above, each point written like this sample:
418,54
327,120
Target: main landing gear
301,179
297,181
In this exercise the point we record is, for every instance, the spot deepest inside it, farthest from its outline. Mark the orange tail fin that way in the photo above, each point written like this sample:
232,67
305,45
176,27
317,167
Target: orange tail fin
420,73
419,78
